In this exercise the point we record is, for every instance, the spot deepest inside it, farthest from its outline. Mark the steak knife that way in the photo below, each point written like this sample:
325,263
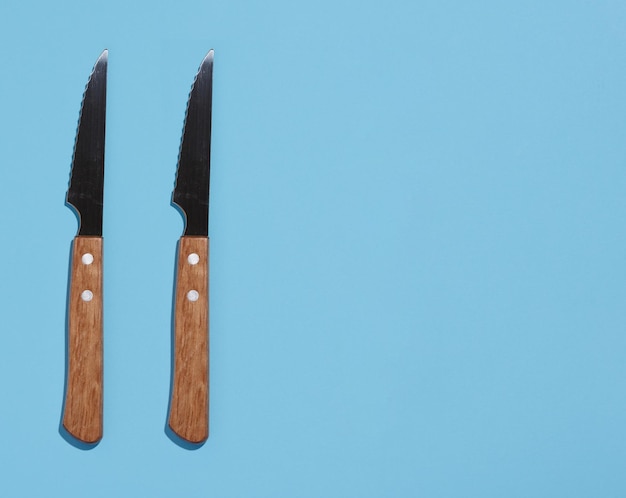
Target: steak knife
82,412
189,403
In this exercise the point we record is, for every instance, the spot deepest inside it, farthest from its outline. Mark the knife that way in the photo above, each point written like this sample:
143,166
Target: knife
82,412
189,402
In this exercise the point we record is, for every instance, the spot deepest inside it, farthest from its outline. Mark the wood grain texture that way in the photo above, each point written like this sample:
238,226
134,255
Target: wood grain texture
82,414
189,406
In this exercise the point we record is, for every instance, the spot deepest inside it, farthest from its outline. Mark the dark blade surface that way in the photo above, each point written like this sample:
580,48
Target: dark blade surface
191,192
87,178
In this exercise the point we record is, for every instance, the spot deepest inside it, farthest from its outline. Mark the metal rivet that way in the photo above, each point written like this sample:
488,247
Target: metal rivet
87,258
193,259
193,295
86,295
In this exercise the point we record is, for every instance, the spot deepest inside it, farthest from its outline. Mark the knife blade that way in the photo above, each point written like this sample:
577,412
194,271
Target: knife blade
189,402
82,410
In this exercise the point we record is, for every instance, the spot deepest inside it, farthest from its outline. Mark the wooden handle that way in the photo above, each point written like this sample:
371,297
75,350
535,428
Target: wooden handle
189,406
82,415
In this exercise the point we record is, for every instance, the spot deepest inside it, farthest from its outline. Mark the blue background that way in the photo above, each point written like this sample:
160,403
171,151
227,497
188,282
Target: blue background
418,247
